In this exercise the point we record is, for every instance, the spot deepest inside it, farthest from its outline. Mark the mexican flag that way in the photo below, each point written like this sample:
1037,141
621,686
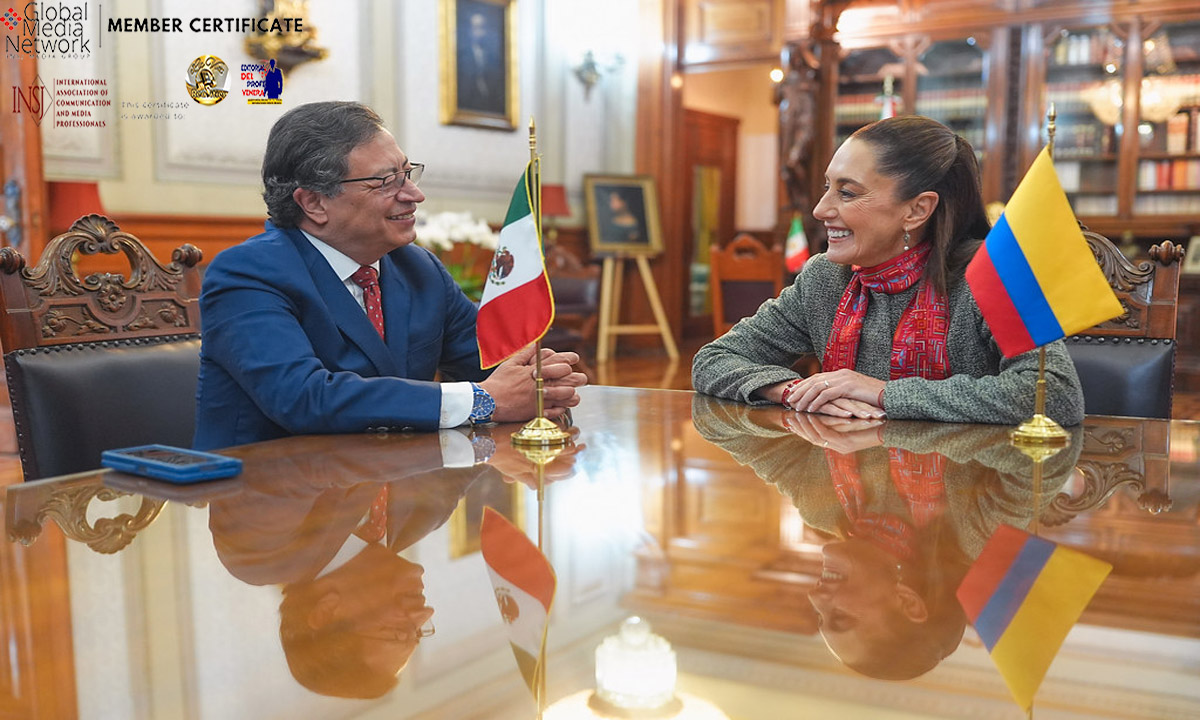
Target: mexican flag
517,306
524,583
796,250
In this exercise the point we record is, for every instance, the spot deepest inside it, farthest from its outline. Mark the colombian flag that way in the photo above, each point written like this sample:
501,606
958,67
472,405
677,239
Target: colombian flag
1023,594
1034,278
517,307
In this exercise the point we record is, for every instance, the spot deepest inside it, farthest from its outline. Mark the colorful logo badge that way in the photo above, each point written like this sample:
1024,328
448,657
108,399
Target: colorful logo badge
10,19
263,85
208,79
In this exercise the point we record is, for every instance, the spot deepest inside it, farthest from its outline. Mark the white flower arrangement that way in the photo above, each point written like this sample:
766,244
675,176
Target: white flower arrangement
438,232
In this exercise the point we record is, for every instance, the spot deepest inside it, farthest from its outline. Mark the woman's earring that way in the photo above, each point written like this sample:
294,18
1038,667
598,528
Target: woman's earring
907,237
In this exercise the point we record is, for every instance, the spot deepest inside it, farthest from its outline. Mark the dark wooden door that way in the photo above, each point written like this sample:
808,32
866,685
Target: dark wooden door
708,203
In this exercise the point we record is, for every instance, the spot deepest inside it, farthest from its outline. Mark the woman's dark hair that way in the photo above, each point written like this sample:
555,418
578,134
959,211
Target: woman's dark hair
308,147
925,155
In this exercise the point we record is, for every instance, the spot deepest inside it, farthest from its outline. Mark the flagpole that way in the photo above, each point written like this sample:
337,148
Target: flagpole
540,455
1040,430
540,431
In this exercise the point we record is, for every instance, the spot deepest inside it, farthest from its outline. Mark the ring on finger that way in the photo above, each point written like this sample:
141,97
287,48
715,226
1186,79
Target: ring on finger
826,383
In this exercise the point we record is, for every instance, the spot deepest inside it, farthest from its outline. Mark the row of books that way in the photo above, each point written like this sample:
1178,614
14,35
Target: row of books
942,104
861,108
1084,49
1083,140
1094,205
960,103
1074,97
1169,175
1165,205
1079,177
1183,133
1083,97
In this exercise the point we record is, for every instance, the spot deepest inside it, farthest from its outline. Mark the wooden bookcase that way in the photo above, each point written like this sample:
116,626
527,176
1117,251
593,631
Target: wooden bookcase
1124,78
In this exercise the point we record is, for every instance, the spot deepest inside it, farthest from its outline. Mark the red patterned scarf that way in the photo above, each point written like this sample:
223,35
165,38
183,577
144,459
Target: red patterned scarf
919,345
918,480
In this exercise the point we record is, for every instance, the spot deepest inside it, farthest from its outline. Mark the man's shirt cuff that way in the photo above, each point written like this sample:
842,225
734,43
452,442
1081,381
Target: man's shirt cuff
457,400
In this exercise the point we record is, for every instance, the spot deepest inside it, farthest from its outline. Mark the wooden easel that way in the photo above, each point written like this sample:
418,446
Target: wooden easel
611,276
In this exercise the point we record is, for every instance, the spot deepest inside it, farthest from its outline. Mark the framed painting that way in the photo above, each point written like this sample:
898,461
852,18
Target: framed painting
479,63
622,213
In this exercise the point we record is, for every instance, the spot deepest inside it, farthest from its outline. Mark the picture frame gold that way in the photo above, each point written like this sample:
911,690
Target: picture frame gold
622,212
478,44
489,491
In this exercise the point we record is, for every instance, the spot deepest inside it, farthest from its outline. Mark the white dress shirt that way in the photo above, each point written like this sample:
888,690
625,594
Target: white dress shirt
457,397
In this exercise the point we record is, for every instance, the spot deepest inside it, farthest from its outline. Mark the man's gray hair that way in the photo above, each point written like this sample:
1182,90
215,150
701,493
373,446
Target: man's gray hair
309,148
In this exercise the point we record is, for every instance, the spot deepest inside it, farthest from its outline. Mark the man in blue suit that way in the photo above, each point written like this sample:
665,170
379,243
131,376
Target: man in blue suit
333,321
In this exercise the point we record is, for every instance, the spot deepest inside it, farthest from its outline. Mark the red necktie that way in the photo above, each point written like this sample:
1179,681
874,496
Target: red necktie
367,278
374,528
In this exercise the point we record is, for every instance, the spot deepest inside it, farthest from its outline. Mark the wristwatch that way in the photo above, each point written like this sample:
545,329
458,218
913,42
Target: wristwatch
482,444
483,406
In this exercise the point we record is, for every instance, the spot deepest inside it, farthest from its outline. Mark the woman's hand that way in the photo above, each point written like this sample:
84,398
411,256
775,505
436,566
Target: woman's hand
843,435
815,392
849,408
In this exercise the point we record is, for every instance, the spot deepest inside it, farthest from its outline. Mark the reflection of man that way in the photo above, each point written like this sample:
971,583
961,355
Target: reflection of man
315,519
273,82
333,321
481,61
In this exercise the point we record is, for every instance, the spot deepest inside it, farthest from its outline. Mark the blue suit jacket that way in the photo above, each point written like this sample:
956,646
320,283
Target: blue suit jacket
286,349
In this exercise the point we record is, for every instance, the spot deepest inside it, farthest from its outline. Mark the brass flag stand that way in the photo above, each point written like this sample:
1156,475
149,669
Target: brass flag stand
1040,434
540,431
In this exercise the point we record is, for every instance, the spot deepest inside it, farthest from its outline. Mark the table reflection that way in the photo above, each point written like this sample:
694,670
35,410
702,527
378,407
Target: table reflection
746,533
904,509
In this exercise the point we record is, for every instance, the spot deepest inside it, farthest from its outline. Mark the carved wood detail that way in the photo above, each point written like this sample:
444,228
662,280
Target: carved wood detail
1147,290
68,508
50,303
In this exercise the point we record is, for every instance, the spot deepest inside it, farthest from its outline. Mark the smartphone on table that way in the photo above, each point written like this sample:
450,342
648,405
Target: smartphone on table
172,464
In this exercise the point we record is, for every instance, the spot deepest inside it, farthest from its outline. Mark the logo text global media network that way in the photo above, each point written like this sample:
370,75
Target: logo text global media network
48,29
65,28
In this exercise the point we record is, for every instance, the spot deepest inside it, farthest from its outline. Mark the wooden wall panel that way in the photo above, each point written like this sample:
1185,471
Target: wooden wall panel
727,31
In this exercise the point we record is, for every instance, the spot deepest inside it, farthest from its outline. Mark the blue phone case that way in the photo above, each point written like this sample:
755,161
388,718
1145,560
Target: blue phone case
176,465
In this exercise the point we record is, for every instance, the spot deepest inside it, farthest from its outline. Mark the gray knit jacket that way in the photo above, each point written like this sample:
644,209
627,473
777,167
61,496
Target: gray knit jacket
983,387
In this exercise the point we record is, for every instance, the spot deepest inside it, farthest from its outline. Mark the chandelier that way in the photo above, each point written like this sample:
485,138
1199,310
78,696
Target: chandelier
1160,99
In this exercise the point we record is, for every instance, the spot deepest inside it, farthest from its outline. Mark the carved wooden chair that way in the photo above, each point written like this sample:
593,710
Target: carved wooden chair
1127,364
100,362
743,275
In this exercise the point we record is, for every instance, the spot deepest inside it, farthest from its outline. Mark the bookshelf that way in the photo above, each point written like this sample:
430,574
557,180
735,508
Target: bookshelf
863,75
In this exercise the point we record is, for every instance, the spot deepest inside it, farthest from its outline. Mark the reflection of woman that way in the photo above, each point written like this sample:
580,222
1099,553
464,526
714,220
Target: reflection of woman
907,507
886,309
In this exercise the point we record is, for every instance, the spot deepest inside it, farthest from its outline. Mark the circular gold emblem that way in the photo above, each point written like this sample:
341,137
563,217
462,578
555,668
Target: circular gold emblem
208,79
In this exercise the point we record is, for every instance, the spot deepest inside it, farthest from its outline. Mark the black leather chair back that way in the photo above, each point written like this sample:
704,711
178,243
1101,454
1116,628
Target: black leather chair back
71,402
102,360
1124,376
1127,364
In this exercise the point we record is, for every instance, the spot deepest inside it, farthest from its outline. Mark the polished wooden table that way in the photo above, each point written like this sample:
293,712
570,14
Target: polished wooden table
736,531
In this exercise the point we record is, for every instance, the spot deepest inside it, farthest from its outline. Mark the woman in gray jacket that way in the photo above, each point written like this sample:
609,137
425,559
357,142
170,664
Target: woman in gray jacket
885,309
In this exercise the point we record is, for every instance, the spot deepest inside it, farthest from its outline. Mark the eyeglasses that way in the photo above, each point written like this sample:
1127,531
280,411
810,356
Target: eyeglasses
400,634
413,175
